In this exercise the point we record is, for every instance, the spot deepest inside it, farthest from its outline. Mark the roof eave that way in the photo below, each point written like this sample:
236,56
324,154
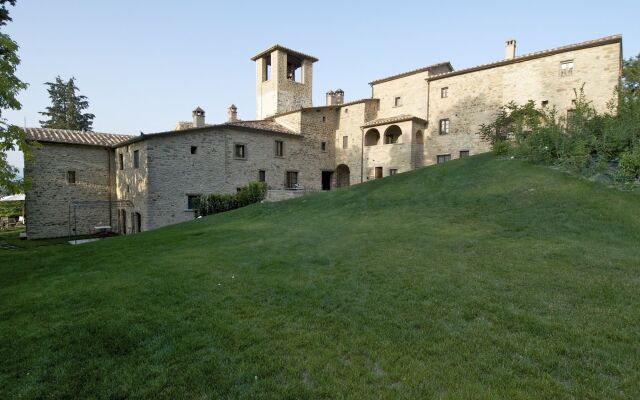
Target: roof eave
531,56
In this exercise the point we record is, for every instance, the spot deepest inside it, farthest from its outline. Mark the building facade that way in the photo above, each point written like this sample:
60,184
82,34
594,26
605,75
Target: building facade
84,180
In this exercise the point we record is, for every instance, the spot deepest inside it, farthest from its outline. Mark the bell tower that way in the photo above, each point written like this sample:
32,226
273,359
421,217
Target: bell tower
283,80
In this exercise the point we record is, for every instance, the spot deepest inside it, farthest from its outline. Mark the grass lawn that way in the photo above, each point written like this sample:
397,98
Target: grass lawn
481,278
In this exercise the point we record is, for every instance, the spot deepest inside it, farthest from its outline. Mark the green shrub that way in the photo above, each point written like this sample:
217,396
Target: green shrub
630,164
214,203
501,147
11,208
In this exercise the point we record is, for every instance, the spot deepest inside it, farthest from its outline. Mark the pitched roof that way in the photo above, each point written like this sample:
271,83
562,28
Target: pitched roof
322,107
75,137
286,50
262,125
390,120
530,56
413,71
267,125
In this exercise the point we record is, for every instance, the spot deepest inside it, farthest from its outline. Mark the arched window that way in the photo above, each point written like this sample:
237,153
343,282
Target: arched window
419,138
392,134
372,137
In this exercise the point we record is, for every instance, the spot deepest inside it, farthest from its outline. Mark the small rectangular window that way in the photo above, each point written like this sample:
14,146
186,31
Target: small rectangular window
397,102
239,151
71,177
444,126
545,103
323,146
345,142
194,149
444,92
324,119
279,148
291,180
136,159
442,158
464,153
262,175
121,161
392,171
192,199
566,68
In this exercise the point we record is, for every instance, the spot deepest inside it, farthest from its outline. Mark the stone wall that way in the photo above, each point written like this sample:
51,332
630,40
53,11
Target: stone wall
132,185
49,196
475,97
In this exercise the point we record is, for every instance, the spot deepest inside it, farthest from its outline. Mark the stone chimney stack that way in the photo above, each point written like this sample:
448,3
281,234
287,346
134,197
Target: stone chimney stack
330,98
510,49
233,113
198,117
339,96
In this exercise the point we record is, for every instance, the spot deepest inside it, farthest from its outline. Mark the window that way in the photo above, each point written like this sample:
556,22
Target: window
442,158
121,161
128,189
444,92
566,68
345,142
464,153
324,119
136,159
192,199
392,171
397,102
239,151
71,177
545,103
262,176
194,149
323,146
444,126
291,180
279,148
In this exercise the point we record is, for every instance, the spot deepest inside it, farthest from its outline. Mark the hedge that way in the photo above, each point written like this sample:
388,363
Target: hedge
214,203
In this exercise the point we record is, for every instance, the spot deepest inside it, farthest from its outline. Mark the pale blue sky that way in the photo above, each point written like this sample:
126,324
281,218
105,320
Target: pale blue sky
146,64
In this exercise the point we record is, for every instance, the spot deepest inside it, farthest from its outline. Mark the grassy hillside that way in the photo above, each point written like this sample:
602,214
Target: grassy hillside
480,278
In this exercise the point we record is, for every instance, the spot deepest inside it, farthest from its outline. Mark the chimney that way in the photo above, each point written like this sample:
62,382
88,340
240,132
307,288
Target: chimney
233,113
198,117
339,96
330,97
510,49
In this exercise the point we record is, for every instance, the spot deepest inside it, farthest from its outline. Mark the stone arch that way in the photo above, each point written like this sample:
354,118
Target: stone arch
392,134
419,137
343,176
372,137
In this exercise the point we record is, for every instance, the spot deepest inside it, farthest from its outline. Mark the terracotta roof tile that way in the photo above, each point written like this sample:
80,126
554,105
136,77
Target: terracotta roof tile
285,49
75,137
413,71
263,125
390,120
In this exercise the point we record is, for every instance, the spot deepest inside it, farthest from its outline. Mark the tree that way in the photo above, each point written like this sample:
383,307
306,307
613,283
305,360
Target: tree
631,75
11,136
66,107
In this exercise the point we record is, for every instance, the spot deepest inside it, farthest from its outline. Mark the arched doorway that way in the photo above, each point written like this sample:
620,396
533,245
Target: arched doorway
392,134
419,138
137,218
372,137
343,176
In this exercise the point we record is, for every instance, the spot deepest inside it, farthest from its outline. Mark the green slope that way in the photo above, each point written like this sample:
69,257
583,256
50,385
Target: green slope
479,278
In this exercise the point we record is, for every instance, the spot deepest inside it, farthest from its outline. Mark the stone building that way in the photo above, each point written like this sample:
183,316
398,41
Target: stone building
81,180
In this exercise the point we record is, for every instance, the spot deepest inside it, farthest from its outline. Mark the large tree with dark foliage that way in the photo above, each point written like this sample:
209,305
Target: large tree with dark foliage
67,106
11,136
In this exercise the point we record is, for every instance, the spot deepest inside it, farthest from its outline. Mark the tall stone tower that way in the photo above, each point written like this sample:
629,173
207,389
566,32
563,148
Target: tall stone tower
283,80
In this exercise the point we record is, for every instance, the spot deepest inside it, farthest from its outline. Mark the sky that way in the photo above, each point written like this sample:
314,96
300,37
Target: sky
144,65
